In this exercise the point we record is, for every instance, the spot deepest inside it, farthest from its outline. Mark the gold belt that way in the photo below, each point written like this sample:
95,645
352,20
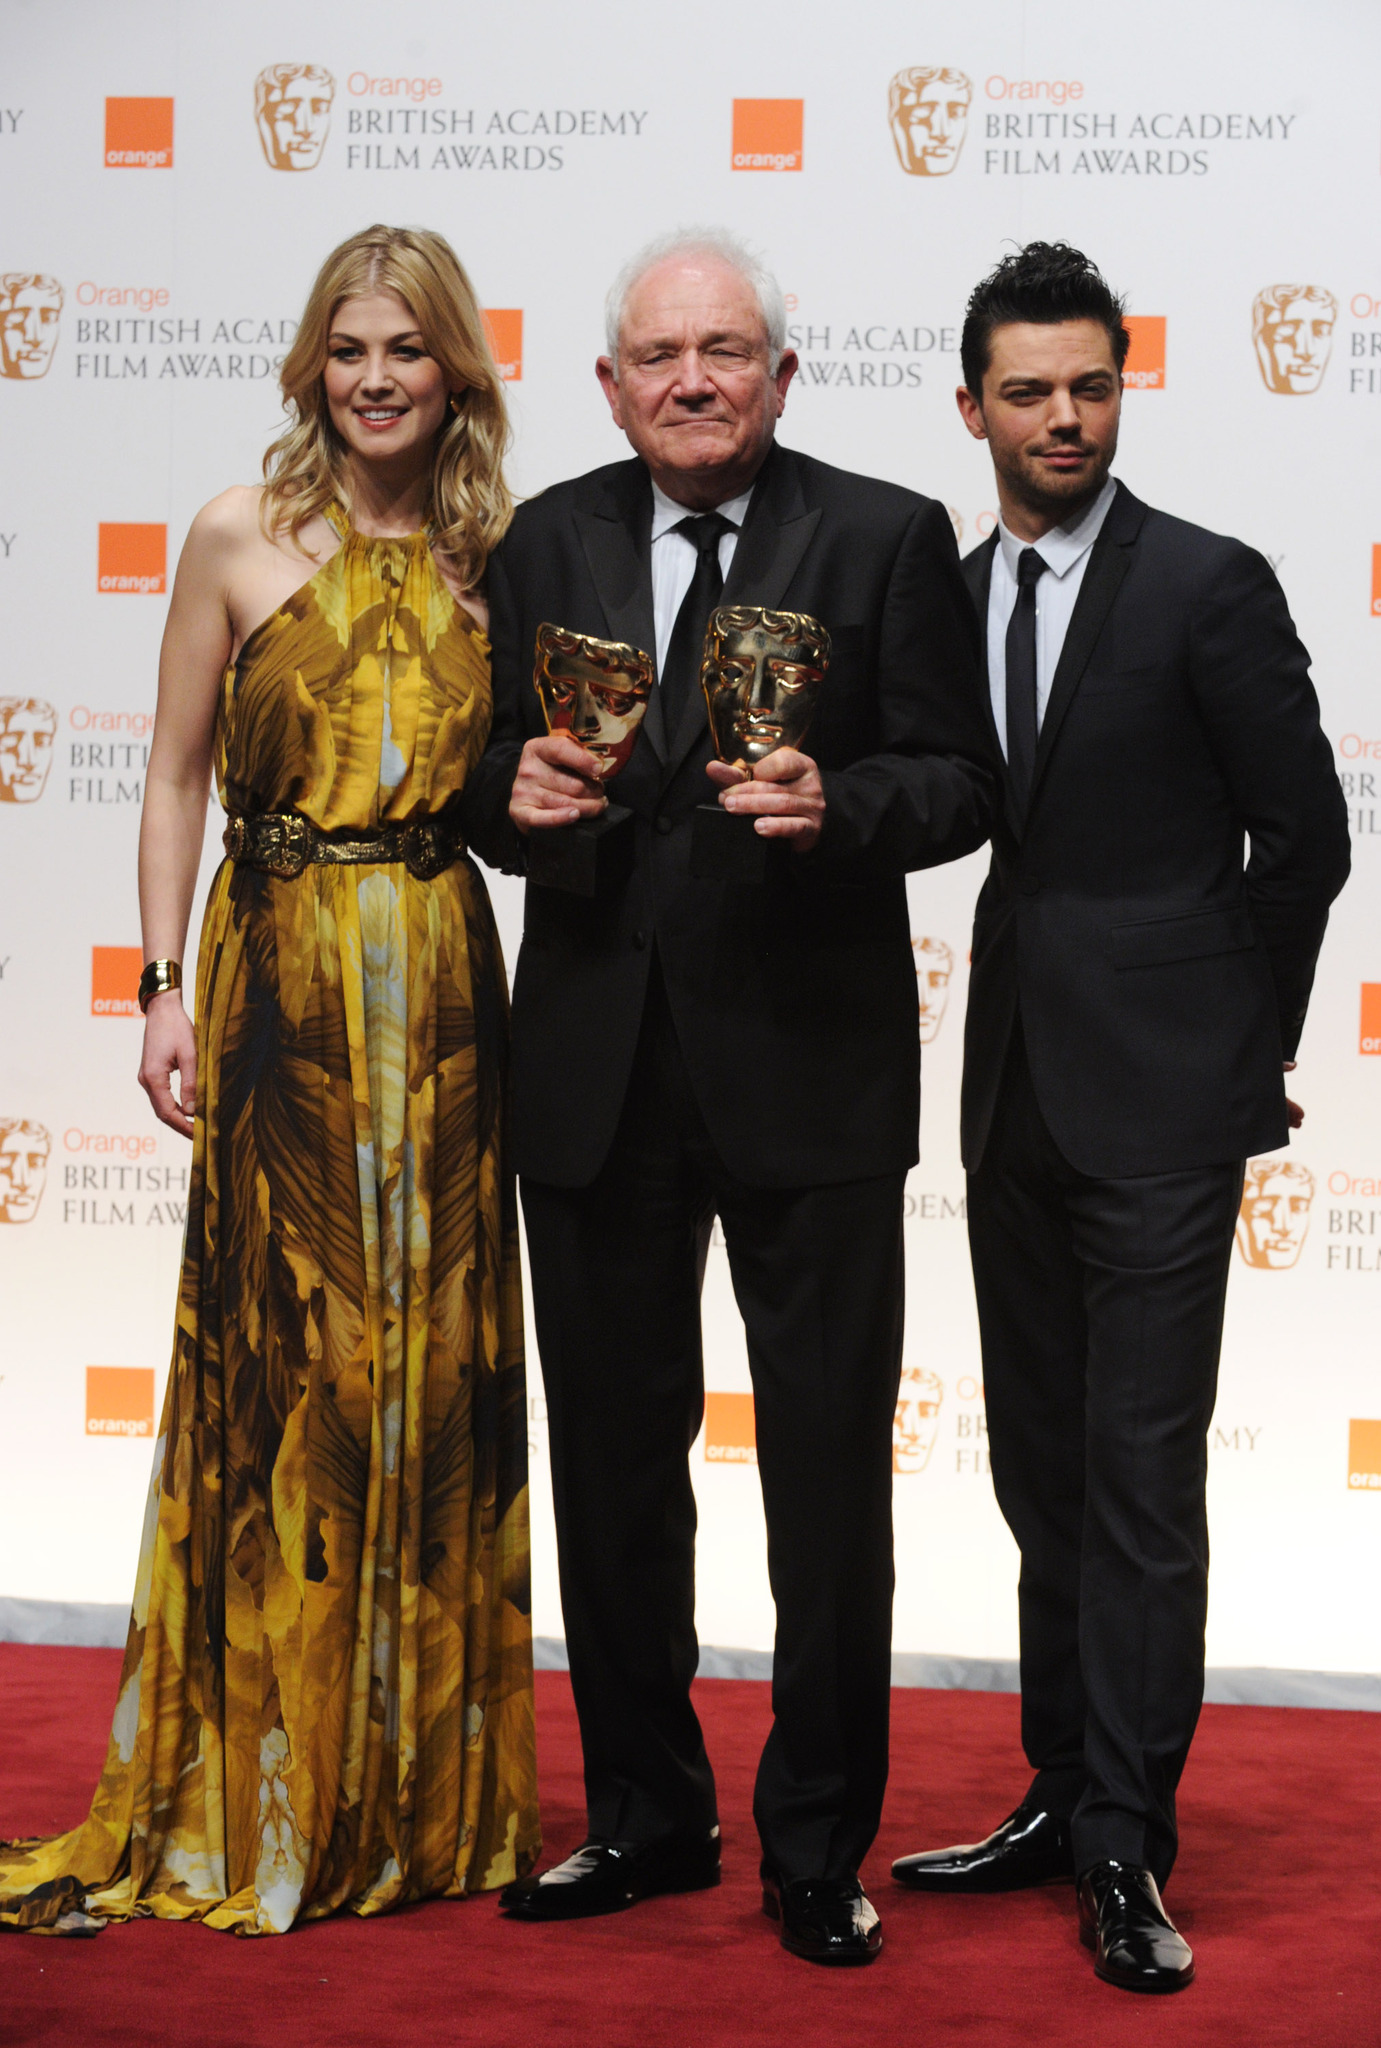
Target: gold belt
284,843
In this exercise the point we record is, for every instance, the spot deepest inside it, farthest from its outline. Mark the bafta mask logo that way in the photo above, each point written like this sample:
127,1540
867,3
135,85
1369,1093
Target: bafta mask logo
292,111
916,1423
761,673
928,111
934,966
24,1149
596,690
30,309
28,728
1274,1217
1292,328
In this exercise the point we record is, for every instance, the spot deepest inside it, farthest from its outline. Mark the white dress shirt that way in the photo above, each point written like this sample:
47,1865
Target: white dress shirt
673,558
1065,551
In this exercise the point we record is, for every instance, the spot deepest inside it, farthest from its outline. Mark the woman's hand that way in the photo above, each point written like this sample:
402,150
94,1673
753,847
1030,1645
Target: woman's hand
170,1046
197,643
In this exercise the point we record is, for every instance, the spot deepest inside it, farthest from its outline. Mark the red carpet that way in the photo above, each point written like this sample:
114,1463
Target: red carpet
1277,1889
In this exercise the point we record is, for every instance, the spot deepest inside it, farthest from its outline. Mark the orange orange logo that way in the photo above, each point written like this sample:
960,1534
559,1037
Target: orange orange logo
731,1436
504,326
139,135
1376,582
768,135
119,1400
115,972
132,558
1364,1455
1371,1017
1145,366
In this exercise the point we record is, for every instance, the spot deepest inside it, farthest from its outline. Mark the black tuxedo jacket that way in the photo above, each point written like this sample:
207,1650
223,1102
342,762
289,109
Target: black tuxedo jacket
795,1001
1160,984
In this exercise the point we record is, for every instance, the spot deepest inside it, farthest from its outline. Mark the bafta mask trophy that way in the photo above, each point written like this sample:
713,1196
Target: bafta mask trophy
761,673
597,691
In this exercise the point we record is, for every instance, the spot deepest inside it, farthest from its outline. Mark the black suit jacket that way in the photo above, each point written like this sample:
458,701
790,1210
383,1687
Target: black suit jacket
795,1001
1160,984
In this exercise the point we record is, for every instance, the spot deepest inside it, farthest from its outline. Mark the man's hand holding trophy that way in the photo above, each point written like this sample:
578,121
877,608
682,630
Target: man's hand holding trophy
762,674
593,694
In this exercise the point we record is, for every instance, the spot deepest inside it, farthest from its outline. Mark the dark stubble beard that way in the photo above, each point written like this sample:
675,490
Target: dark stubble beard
1069,495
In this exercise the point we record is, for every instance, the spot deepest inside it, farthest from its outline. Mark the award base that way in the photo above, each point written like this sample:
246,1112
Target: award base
725,847
583,859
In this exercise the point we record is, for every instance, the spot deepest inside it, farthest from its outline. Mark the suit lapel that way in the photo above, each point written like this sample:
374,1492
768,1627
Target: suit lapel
616,536
1108,564
775,535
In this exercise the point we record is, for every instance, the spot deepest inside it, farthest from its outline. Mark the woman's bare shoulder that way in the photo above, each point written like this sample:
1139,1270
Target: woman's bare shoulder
227,538
230,518
223,531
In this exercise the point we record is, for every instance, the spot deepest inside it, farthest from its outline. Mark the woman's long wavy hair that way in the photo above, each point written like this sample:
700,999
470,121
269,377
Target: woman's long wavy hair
307,466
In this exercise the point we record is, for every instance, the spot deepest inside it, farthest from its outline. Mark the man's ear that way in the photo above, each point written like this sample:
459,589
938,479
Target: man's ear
607,372
971,412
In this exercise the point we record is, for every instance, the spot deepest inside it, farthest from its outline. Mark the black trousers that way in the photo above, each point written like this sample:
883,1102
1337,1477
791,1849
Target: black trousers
616,1276
1100,1304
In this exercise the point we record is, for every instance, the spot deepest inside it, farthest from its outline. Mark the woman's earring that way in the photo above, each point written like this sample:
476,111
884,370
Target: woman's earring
453,404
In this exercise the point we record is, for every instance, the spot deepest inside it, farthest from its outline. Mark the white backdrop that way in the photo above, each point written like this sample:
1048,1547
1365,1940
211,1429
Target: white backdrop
153,260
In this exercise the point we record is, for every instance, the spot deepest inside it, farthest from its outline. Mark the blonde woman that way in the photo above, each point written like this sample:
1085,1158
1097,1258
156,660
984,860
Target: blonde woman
327,1694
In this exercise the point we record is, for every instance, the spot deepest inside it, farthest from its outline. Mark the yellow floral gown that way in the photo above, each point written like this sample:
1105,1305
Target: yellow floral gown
326,1698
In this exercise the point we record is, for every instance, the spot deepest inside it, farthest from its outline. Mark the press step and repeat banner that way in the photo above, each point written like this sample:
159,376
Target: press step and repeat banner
172,177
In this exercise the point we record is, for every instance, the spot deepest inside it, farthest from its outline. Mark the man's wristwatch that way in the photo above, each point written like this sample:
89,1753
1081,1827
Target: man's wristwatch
158,977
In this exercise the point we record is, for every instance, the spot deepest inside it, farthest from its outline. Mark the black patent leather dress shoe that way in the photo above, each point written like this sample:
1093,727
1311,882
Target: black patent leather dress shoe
1123,1921
607,1877
1030,1847
824,1919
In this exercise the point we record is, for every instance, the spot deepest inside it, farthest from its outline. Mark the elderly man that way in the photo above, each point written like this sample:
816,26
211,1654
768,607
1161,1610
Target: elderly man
684,1047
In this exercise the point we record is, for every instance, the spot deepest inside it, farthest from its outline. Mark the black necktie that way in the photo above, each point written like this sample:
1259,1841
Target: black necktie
680,676
1021,677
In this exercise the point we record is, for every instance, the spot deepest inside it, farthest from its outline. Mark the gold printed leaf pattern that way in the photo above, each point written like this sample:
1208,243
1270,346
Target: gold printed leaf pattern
326,1698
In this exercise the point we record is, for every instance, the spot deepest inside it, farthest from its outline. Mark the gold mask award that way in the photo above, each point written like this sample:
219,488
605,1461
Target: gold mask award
762,673
597,691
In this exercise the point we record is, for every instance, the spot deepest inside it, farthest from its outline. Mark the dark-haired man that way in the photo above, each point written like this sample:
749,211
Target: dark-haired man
1134,996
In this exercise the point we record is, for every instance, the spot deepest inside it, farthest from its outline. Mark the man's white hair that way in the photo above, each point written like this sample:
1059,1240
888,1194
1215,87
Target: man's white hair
726,248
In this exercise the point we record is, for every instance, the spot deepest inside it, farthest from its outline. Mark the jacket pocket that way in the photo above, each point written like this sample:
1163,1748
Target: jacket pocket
1160,940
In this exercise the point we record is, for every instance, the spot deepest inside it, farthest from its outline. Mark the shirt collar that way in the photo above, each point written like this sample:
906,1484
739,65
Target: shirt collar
1063,546
666,512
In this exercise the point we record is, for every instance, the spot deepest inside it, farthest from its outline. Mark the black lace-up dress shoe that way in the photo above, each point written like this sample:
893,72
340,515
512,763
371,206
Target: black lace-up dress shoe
1029,1848
1123,1921
824,1919
607,1877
